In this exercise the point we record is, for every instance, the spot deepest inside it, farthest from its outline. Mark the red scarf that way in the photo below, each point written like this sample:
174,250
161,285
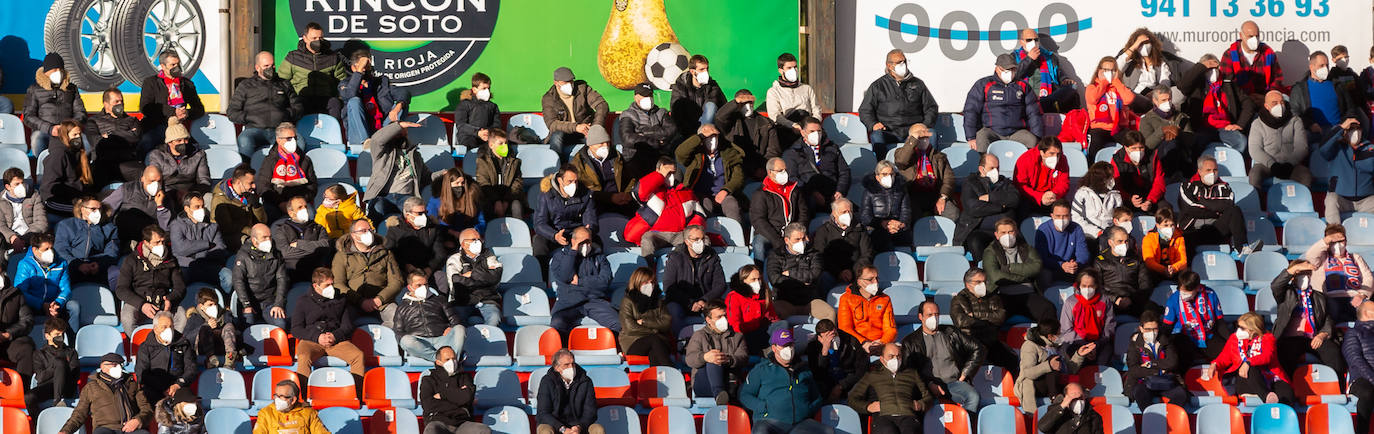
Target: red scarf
781,190
1087,316
1214,106
174,97
288,167
925,172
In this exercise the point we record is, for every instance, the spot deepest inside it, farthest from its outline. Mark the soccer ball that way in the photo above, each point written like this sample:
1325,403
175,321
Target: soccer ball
664,63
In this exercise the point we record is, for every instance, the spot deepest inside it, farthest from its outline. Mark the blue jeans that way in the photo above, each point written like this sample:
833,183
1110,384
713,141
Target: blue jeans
261,315
484,314
708,113
882,138
710,380
383,206
253,139
38,141
355,121
426,347
963,394
806,426
598,310
1234,139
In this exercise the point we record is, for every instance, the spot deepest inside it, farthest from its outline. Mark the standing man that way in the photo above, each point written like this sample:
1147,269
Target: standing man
260,102
895,102
315,71
571,107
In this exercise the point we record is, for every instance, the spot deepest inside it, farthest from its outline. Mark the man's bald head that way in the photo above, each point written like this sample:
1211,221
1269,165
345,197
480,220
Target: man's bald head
1248,29
469,234
1028,34
989,160
264,65
1366,311
895,56
262,57
151,173
260,231
1272,98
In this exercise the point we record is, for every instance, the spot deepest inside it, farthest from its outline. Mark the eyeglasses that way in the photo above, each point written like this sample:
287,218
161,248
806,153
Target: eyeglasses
1030,39
287,137
362,231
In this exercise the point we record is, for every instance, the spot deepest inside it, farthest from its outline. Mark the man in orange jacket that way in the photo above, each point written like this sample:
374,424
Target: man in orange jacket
866,313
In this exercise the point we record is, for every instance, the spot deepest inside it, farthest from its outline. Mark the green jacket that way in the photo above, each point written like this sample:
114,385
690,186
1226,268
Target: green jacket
692,154
894,393
311,74
774,392
656,320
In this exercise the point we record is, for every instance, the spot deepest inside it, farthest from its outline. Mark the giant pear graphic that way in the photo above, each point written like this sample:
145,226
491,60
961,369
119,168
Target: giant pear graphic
635,27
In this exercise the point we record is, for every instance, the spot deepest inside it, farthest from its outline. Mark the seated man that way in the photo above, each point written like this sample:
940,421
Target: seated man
892,104
567,399
1319,100
499,187
844,246
1001,107
212,331
837,360
260,279
322,324
692,277
1151,359
149,280
816,161
1169,135
107,391
236,206
1043,176
930,177
894,398
780,391
416,241
1252,63
473,276
260,102
1208,212
315,70
564,206
55,365
887,207
1347,156
979,313
87,242
1194,317
117,143
1278,144
369,99
1088,317
367,271
197,243
608,174
987,198
1013,269
794,271
139,204
1044,72
571,108
716,353
946,357
184,166
1354,348
1070,412
475,117
42,278
1062,246
669,207
424,323
1125,280
1138,172
583,278
288,412
447,394
1162,249
646,131
790,99
779,202
304,244
754,134
286,171
1341,275
166,361
865,312
695,96
714,171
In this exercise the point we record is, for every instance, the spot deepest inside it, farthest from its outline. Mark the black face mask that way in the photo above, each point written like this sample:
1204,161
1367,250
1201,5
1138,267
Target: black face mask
459,190
316,45
175,71
117,110
269,74
183,149
369,71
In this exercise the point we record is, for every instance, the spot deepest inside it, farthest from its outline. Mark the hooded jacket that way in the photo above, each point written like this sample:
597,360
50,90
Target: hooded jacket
482,286
1036,179
387,95
687,280
40,284
426,318
666,208
589,175
691,153
979,317
843,249
1159,254
260,277
188,169
46,104
688,101
881,204
315,315
593,277
235,218
359,275
160,365
825,173
499,177
705,339
259,103
135,209
337,221
173,423
656,318
968,353
867,319
1035,363
61,179
562,406
299,419
143,281
747,311
1092,211
802,270
313,74
390,148
108,403
774,206
31,210
1003,198
897,104
157,110
78,242
1002,107
588,105
893,391
649,129
455,395
784,394
1358,349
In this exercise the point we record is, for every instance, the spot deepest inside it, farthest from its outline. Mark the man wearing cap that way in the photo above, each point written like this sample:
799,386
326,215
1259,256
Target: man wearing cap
646,132
112,401
571,107
183,165
51,99
1002,107
780,392
260,102
288,414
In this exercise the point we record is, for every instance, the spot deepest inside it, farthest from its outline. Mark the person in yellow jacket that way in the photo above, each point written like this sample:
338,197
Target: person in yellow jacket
338,211
287,414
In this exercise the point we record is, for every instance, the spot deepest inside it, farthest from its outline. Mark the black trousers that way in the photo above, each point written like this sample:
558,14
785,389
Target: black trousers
1293,348
1099,138
1030,305
1256,384
1228,229
1363,390
56,387
20,352
653,346
894,424
1190,354
1142,396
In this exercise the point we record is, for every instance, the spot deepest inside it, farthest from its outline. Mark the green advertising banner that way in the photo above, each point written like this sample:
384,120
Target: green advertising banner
432,47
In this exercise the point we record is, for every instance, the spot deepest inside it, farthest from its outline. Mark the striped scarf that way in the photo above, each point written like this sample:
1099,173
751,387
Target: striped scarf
1343,266
1048,70
1308,317
925,171
1197,317
1255,346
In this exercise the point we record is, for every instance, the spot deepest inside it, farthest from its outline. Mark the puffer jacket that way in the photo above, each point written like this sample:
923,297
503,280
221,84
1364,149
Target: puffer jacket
556,212
774,206
421,248
281,192
898,104
831,174
1003,198
752,132
387,96
78,241
843,249
1358,349
499,178
447,398
1145,180
336,221
197,246
40,284
906,157
1287,144
589,106
787,395
472,115
142,281
882,204
260,277
169,421
979,317
1290,305
730,343
840,365
691,153
235,218
561,405
687,280
101,400
482,286
426,318
651,129
593,277
159,365
1122,276
191,168
894,392
802,270
312,246
867,319
590,176
297,419
31,210
1001,273
15,316
1199,201
311,74
359,275
46,105
259,103
656,319
1002,107
157,110
1163,360
967,353
783,100
688,101
1035,363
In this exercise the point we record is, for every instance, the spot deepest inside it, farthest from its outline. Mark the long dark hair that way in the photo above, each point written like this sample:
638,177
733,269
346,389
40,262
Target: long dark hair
1098,175
1156,56
449,202
64,130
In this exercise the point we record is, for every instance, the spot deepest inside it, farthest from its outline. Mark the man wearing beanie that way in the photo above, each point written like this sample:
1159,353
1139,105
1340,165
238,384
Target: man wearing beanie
605,172
51,99
184,166
112,400
646,131
571,107
167,97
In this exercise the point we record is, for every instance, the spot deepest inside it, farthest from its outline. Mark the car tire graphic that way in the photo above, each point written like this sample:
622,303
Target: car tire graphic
143,29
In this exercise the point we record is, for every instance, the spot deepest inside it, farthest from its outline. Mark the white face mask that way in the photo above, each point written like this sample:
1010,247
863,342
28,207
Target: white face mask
931,322
570,189
791,74
115,372
289,146
484,94
1212,76
55,77
798,247
871,289
19,191
165,335
1052,161
1242,334
900,69
1007,240
1126,225
1303,281
1107,75
157,250
647,289
265,245
198,215
188,409
1187,296
813,137
281,404
1166,233
1111,184
645,103
845,219
568,373
1144,50
780,178
475,247
885,181
449,366
1119,249
302,215
1166,106
671,179
1078,406
212,311
1060,224
1135,156
366,238
152,188
721,324
601,153
756,286
1322,73
1005,76
1276,110
1252,43
1338,249
993,175
892,365
566,88
703,77
1088,292
785,353
585,249
1031,45
420,220
980,290
697,246
420,293
327,292
1149,336
748,110
45,257
1210,178
1355,137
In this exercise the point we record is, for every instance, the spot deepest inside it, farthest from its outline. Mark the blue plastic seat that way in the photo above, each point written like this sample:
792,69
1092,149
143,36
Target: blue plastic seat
1265,305
1230,163
339,420
669,388
732,262
364,168
949,128
222,162
1105,154
897,267
1117,417
731,232
993,385
1258,227
1007,152
507,420
12,131
1328,418
1107,385
1220,418
437,158
329,164
947,419
610,228
1246,197
1273,419
320,130
1001,419
906,302
1359,229
214,129
1029,226
50,421
720,419
520,269
1078,163
497,388
222,388
38,169
861,161
1288,199
944,270
1261,268
842,419
1165,418
485,346
622,265
1233,301
1302,232
618,419
394,387
934,234
508,235
95,340
671,420
526,306
1216,268
844,128
963,159
224,420
537,163
532,386
94,304
15,157
430,133
533,121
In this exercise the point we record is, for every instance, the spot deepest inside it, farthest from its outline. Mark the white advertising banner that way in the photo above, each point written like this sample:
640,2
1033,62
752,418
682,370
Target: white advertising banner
951,44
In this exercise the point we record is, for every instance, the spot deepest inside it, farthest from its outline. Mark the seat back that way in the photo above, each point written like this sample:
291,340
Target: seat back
437,158
1215,266
533,121
618,419
730,263
319,129
1262,267
963,159
1220,419
1210,387
591,340
1165,418
670,420
14,421
430,133
94,341
1105,154
329,163
536,344
507,420
227,421
387,387
1246,197
1116,419
15,156
393,421
841,418
532,388
1001,419
612,386
1007,151
1357,229
896,267
12,130
1289,196
213,129
222,162
948,419
96,304
266,379
340,420
506,232
1230,162
537,163
270,344
861,161
995,384
1302,231
332,387
906,302
11,389
660,386
497,388
623,264
1273,419
843,128
1030,225
379,345
221,384
944,267
1327,418
728,229
1315,384
1233,301
725,419
520,269
50,421
523,306
933,231
485,346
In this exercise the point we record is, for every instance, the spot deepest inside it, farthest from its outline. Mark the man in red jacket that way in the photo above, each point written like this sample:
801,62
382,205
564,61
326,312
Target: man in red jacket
1042,174
669,207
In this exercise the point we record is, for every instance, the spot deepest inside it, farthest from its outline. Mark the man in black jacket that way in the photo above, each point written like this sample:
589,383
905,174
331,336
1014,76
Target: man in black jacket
895,102
645,131
149,280
781,201
794,270
567,399
260,102
115,159
260,279
1071,413
51,99
167,96
695,96
304,244
471,279
836,359
1208,213
424,322
987,198
417,242
447,394
845,247
166,361
15,321
141,203
54,367
1124,277
816,162
475,117
314,69
692,276
1152,355
323,324
945,356
756,135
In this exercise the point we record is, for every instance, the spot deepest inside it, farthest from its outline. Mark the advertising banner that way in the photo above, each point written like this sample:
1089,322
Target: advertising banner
950,44
432,47
109,43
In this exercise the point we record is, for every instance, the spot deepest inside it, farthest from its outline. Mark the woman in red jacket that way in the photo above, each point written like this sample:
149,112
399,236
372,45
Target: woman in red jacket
1249,358
1108,108
747,308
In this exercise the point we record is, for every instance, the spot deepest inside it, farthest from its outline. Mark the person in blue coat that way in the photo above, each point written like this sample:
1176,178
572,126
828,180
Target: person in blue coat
1062,246
781,393
1350,158
1000,107
42,277
582,277
564,205
1358,349
88,242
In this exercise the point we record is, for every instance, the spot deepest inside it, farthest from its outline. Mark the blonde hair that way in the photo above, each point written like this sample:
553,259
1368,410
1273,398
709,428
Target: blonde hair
1251,321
